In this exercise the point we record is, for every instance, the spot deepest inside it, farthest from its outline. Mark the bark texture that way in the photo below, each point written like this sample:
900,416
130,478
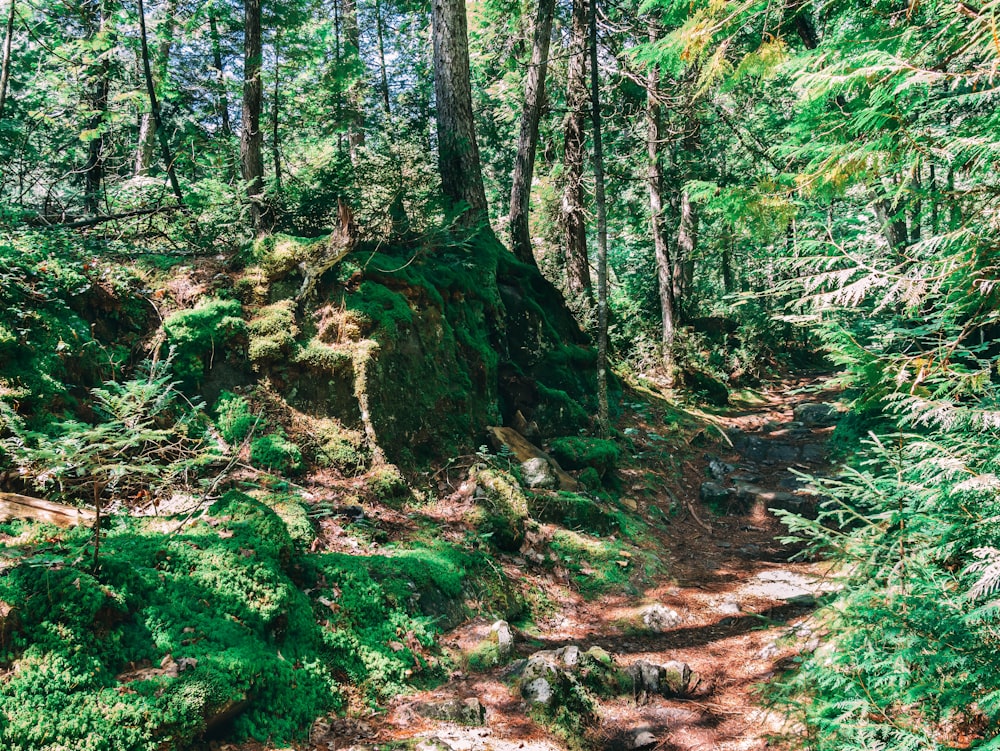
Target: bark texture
7,45
97,103
654,177
527,142
573,215
251,158
603,417
458,151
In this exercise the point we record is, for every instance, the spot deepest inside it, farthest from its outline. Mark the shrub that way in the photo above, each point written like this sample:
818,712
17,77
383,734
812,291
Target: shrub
234,418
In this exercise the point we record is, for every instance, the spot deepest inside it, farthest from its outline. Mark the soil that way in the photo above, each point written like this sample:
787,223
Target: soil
743,608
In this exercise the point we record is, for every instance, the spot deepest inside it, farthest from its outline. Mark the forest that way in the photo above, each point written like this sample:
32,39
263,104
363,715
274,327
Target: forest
475,375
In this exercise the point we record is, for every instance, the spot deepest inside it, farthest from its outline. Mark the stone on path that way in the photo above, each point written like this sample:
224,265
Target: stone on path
504,637
659,618
537,473
817,414
712,492
460,711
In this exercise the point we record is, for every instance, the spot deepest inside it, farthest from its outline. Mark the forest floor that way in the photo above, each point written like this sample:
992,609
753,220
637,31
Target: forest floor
737,609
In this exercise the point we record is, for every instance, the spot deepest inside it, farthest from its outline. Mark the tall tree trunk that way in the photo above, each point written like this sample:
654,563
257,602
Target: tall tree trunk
573,216
527,142
603,416
458,151
99,86
8,41
383,75
275,113
154,105
654,177
220,76
687,242
352,47
251,158
149,125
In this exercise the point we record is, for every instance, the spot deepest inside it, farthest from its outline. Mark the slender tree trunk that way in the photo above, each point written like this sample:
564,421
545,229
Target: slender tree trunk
935,218
154,105
687,226
275,114
603,416
383,75
220,77
916,186
654,177
97,104
352,46
7,45
458,151
251,158
573,215
149,125
527,142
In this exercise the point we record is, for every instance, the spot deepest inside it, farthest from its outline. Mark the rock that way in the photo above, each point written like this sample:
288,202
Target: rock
461,711
814,452
504,637
729,607
750,550
713,493
524,450
817,414
718,468
642,739
537,691
782,452
537,473
659,618
670,679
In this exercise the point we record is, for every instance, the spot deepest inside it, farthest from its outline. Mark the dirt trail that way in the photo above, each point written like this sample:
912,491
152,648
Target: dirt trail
736,609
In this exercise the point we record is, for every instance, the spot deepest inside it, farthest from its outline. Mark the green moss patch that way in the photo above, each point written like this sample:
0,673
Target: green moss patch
578,452
200,335
578,512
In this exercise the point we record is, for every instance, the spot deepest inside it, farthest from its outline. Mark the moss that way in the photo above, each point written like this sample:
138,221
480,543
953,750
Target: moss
600,565
576,511
559,411
383,310
200,335
339,448
590,478
278,255
387,483
275,452
234,418
505,507
272,332
578,452
324,357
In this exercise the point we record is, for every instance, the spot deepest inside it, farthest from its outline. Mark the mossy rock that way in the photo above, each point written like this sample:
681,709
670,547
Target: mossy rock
202,333
272,333
706,386
579,452
387,484
276,453
575,511
505,507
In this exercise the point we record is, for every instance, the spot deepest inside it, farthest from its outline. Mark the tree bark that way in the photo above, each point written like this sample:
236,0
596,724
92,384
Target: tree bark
458,151
220,76
352,47
603,416
383,75
97,103
654,177
251,158
275,114
154,105
149,125
687,241
527,142
7,45
573,216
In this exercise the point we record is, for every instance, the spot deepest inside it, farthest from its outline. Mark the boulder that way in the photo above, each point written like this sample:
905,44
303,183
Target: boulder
712,493
460,711
504,637
659,618
817,414
537,473
669,679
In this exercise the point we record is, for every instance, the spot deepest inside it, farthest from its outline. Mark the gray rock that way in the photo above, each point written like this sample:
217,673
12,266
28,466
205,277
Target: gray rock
782,452
676,677
712,492
461,711
538,474
817,414
670,679
729,607
642,738
538,691
645,677
717,468
814,452
753,448
659,618
504,638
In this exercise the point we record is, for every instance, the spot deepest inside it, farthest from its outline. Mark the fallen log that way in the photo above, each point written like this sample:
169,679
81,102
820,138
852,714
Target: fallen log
17,506
525,450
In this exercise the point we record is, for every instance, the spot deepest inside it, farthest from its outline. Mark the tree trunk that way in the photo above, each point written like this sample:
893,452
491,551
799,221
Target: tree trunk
7,44
97,104
573,215
603,417
458,152
654,176
149,127
527,142
383,75
352,46
154,105
275,114
220,77
251,158
687,226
